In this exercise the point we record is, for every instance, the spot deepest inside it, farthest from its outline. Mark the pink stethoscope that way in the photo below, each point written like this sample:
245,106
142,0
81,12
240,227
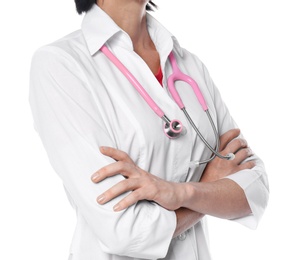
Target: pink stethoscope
173,128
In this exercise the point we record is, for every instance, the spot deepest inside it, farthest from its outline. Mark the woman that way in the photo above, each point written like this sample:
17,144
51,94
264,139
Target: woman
136,193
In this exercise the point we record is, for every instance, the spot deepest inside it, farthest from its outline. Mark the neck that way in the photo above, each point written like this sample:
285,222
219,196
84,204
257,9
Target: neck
130,15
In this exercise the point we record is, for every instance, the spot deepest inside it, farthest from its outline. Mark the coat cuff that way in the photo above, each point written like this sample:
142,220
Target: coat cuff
256,191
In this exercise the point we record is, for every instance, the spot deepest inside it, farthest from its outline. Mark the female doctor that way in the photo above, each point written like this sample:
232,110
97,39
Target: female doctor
139,194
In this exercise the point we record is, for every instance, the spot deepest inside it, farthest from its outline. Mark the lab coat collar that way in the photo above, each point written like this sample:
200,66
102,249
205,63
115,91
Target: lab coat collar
98,28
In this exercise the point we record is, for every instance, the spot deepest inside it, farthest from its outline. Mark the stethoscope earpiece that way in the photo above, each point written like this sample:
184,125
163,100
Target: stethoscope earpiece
230,156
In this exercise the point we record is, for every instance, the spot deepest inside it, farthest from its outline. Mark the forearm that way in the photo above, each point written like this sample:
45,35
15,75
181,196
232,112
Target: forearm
186,218
222,198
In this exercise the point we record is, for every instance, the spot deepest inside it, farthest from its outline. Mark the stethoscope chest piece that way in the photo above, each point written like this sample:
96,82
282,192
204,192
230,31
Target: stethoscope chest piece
173,129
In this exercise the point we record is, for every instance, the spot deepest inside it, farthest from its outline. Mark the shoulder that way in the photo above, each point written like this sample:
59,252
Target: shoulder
58,65
63,54
68,47
191,61
190,58
186,57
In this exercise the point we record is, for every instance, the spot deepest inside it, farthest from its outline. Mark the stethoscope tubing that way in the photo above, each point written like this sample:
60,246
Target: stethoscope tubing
175,127
215,152
178,75
135,83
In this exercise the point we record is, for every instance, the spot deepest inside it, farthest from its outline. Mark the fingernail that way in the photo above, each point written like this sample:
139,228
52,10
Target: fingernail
116,207
95,177
100,198
103,148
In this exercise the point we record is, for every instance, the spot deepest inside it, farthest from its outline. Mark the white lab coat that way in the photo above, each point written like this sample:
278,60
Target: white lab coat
80,101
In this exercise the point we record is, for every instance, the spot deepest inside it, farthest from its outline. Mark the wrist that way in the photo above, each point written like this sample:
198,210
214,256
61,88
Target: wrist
194,194
186,219
189,191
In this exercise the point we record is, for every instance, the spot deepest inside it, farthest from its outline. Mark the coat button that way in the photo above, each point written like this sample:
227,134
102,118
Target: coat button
182,236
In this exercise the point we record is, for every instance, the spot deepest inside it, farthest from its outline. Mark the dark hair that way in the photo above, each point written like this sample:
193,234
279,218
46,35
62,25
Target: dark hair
85,5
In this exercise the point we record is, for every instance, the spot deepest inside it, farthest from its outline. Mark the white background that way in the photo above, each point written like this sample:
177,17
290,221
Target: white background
248,49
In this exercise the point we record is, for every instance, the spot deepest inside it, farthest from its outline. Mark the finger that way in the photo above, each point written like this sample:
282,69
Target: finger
247,165
125,169
235,145
118,189
116,154
128,201
228,137
243,154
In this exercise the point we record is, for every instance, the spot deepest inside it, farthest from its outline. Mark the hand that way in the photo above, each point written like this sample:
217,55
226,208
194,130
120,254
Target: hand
230,142
144,185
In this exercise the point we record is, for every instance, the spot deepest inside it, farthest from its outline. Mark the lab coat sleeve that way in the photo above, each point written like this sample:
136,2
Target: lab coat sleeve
253,181
72,133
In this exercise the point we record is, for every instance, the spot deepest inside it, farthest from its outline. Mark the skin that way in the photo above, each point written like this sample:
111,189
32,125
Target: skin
130,15
222,198
213,195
